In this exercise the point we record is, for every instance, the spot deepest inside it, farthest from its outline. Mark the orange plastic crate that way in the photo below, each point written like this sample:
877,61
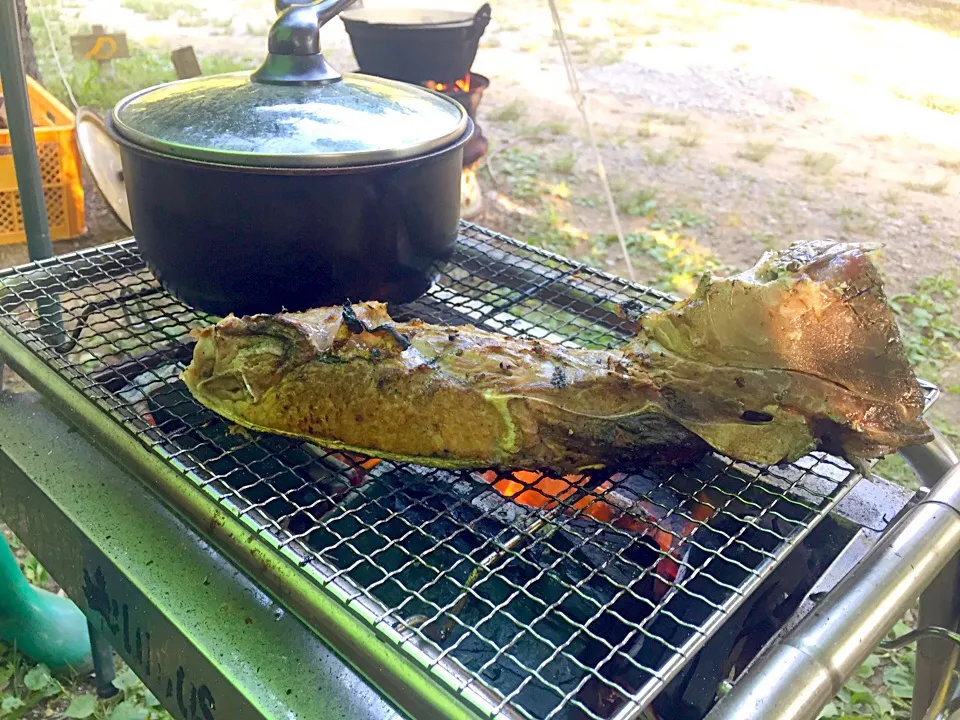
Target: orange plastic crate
55,130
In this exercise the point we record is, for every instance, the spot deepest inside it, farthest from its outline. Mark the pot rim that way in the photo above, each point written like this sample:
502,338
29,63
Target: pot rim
293,161
458,20
129,144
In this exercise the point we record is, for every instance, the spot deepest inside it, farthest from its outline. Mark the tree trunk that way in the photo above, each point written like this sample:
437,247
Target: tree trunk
26,42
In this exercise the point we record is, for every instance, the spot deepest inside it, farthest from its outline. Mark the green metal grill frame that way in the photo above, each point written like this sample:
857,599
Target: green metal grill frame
486,275
190,624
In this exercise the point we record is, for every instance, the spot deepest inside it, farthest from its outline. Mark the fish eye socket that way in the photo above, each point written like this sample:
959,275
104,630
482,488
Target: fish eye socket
752,416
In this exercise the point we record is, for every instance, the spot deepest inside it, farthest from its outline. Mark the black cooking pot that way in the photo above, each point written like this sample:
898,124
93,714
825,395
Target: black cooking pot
295,187
415,45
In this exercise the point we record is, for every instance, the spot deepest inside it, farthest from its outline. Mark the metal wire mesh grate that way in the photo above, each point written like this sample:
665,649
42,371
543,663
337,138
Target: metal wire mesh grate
533,597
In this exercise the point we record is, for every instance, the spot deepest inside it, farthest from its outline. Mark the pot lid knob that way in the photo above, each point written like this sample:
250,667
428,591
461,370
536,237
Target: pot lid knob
295,57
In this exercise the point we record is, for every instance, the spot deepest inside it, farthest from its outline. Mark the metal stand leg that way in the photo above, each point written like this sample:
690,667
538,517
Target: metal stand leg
23,141
931,461
103,666
940,602
802,673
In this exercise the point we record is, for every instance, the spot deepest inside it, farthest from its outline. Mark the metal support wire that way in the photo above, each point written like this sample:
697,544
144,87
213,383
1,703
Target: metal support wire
580,99
56,56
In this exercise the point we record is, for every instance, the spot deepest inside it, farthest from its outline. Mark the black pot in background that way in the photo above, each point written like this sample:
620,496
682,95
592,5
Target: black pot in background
294,187
415,45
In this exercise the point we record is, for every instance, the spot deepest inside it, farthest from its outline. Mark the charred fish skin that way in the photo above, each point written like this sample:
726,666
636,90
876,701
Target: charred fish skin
453,397
799,353
804,338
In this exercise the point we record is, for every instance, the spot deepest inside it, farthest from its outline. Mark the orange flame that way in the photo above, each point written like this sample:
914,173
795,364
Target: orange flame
463,84
541,491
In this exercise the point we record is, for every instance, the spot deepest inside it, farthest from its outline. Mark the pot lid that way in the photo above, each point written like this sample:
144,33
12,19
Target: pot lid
408,16
232,119
294,111
101,154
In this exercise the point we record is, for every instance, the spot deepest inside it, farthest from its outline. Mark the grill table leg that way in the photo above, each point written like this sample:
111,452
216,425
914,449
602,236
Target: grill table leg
25,159
103,665
940,602
806,670
23,141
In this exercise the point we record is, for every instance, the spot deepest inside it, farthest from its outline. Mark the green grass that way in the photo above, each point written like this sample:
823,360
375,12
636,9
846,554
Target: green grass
685,218
854,220
216,64
891,196
820,163
164,10
639,203
146,66
564,163
882,688
511,112
552,127
659,157
895,469
937,187
941,103
928,324
609,54
689,139
668,118
675,262
548,231
756,151
522,170
221,26
599,51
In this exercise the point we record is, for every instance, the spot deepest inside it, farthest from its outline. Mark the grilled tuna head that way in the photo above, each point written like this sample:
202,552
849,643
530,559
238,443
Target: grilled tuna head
799,352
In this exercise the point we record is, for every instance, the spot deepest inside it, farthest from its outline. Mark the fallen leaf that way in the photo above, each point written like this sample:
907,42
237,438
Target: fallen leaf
82,706
128,710
126,680
10,703
37,678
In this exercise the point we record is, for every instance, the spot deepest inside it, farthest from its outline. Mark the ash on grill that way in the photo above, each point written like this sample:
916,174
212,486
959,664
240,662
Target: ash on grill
512,547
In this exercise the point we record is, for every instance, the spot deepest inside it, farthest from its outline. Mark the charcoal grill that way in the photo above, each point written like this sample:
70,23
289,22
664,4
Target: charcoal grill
452,597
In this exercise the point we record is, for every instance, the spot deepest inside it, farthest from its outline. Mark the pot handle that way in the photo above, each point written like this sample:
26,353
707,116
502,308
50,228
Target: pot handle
295,57
480,20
